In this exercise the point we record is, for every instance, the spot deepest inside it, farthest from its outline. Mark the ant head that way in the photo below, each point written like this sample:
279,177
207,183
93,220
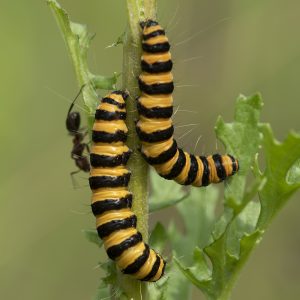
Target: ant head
73,122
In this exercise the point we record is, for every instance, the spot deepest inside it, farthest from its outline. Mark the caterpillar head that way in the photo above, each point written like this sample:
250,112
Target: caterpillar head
124,94
148,23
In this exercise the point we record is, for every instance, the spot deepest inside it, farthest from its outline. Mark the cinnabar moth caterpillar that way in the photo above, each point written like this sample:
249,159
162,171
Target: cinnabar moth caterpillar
155,128
111,200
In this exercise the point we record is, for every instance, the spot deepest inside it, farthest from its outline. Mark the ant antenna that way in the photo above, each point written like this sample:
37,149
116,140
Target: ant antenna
76,97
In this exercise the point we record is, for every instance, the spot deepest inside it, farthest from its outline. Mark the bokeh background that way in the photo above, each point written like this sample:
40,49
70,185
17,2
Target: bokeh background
220,49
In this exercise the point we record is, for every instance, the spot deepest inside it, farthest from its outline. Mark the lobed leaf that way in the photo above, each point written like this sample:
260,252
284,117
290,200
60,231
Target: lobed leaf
244,220
78,40
93,237
164,193
234,234
281,173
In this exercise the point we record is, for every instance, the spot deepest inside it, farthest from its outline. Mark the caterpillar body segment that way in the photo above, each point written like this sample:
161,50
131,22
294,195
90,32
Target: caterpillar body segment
111,200
155,128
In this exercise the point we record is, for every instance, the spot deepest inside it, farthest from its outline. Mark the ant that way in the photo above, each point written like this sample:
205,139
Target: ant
73,127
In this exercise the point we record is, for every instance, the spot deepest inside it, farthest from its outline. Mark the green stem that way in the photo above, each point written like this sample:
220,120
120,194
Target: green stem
137,10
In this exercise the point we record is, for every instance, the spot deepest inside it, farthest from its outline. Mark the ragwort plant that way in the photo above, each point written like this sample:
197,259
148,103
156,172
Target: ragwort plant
214,249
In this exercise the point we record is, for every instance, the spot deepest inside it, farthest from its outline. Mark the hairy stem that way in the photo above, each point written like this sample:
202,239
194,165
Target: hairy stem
137,10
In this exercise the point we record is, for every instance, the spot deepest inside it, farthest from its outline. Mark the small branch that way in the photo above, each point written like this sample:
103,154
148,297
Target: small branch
78,41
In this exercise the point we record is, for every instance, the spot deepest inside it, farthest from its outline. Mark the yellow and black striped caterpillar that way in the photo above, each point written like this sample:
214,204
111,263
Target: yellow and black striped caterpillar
155,128
111,200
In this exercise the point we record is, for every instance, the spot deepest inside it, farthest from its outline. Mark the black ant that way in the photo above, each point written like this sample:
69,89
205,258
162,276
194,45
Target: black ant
73,126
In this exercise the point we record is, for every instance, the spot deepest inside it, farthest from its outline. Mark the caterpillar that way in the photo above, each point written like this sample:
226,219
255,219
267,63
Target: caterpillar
155,128
111,200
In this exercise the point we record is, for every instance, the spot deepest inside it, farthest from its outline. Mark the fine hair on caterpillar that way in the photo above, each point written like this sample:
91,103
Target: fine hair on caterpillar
155,127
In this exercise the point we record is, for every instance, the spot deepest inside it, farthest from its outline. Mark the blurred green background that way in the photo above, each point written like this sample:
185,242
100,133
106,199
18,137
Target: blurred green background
220,49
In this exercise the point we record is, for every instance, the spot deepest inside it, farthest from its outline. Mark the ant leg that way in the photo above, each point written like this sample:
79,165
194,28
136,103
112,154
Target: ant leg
78,94
74,183
87,148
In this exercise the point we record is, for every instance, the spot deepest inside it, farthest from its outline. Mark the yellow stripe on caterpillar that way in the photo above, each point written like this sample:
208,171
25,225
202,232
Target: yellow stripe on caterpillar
109,126
160,78
156,101
114,215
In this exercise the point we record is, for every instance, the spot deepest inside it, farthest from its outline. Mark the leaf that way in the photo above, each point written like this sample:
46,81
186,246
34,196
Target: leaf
102,292
92,236
105,82
158,237
281,173
119,41
171,193
159,290
232,237
244,220
243,224
105,289
241,139
78,41
198,215
293,175
200,272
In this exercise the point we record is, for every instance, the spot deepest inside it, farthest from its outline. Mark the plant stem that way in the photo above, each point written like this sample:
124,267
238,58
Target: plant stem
137,10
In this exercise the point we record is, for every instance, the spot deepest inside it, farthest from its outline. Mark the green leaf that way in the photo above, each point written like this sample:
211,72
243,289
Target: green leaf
105,82
198,215
159,291
243,224
106,288
241,139
222,224
293,175
232,237
158,237
244,220
164,193
78,41
281,173
119,41
92,236
200,273
102,292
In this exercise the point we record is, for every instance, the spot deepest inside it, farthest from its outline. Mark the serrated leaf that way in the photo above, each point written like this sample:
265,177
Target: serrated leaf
164,193
198,215
243,224
92,236
102,292
159,290
78,41
234,235
221,224
226,266
119,41
244,221
200,273
281,165
105,82
293,175
241,139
